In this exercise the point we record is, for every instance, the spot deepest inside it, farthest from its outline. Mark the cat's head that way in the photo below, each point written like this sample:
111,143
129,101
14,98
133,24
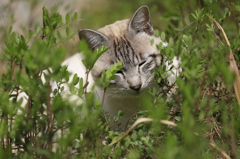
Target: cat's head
131,41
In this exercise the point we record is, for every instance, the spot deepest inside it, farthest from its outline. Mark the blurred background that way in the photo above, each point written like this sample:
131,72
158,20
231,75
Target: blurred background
171,16
25,15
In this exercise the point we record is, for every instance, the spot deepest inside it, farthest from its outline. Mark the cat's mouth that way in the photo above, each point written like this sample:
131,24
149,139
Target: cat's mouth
120,92
135,93
131,92
115,90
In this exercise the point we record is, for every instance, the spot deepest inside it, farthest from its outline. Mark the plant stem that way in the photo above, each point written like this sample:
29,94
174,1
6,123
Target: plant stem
234,17
85,89
50,117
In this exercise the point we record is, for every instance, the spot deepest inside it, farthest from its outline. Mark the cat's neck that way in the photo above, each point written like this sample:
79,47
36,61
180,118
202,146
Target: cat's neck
128,104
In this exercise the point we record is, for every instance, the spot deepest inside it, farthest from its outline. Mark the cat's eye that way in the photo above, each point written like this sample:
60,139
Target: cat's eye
140,64
120,72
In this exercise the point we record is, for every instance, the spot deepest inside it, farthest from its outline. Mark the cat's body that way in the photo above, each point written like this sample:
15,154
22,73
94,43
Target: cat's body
131,41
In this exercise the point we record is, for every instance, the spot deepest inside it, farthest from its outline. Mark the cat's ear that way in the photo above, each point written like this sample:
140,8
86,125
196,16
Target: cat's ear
141,21
93,38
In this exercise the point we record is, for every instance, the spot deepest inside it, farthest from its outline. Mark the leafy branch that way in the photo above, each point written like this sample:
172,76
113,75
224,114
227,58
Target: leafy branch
233,65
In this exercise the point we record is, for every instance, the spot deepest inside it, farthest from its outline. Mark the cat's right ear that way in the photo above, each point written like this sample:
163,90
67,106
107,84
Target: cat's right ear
93,38
141,21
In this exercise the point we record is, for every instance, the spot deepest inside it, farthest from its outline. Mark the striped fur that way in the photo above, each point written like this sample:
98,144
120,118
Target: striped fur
129,43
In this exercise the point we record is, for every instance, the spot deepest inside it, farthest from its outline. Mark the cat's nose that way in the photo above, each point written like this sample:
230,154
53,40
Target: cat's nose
136,88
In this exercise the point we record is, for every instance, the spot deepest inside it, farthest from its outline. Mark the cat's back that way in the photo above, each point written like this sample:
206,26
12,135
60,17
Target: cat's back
75,66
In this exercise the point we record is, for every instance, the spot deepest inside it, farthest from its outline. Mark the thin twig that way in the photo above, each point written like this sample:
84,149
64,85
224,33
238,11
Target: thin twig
50,116
133,115
85,89
196,32
142,120
200,4
103,97
220,150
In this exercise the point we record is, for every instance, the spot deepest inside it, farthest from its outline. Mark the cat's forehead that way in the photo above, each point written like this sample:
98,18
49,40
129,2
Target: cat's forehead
145,44
142,43
115,30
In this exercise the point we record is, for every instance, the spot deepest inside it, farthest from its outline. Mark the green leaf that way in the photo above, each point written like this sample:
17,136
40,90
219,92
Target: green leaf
59,35
109,74
156,32
194,16
38,29
29,36
67,31
237,7
75,79
134,136
47,30
3,128
170,42
9,30
67,17
89,56
75,16
160,46
120,113
152,41
163,36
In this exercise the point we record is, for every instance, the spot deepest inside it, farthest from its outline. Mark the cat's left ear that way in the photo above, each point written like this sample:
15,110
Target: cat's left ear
141,21
93,38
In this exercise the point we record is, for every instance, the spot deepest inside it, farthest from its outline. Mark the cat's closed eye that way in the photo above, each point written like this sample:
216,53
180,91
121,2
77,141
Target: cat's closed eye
119,72
142,63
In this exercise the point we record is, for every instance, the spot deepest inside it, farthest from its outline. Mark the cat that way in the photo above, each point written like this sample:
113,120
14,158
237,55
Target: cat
132,42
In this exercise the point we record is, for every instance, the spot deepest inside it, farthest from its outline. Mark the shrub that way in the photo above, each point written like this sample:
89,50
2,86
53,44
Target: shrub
200,120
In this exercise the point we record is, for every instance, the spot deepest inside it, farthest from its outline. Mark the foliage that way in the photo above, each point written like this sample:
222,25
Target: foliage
204,106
